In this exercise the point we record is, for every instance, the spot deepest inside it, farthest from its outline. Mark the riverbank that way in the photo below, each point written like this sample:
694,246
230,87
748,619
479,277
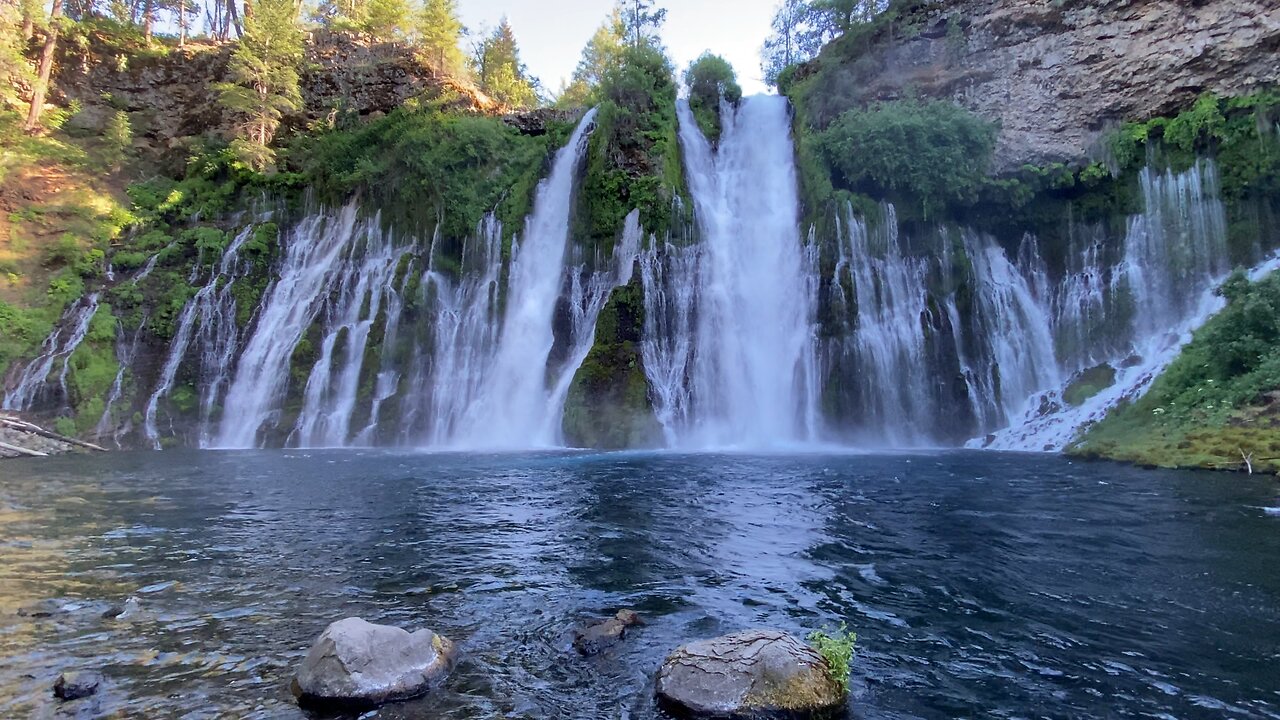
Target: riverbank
19,438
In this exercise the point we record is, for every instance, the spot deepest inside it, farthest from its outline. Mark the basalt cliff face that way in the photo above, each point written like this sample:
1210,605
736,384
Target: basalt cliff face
1058,75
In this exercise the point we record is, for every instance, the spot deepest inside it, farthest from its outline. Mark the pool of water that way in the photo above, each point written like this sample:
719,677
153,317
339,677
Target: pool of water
980,585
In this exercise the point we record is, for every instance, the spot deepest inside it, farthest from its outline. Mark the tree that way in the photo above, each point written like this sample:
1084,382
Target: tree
501,74
14,69
602,52
643,21
439,32
46,67
387,19
264,70
711,80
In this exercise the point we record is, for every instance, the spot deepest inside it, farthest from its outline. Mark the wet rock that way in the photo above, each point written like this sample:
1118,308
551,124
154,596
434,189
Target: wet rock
597,638
41,609
357,664
76,685
751,674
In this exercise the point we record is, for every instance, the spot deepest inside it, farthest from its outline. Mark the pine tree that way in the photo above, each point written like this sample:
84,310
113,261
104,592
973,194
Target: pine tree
439,31
643,21
388,20
264,68
501,74
46,68
602,52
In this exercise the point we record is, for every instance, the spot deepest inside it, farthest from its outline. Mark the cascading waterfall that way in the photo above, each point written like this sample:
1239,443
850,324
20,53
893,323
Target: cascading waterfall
513,407
313,249
356,298
33,384
109,425
1174,255
735,314
208,321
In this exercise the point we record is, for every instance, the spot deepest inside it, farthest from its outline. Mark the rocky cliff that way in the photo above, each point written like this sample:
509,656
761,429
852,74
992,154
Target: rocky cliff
1055,75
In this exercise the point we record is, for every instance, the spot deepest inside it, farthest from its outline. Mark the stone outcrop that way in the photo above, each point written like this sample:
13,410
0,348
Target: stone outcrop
597,638
357,664
750,674
76,685
1058,75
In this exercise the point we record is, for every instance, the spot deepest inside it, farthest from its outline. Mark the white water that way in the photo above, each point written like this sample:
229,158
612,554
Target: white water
208,320
290,304
1175,255
58,347
513,407
735,314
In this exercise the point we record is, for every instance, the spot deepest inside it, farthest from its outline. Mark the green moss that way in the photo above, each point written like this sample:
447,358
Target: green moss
608,403
1088,384
1215,404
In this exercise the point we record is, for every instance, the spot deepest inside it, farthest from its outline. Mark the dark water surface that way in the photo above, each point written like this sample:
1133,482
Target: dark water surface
980,585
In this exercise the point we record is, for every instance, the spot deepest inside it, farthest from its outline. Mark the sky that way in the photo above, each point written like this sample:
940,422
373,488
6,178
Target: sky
552,33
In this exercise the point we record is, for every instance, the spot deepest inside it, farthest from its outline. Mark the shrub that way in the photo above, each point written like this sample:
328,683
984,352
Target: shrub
837,649
935,153
710,80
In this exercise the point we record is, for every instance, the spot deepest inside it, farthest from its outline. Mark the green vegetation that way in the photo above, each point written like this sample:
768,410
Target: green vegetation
1218,403
711,80
837,648
264,78
602,52
608,403
948,162
439,31
633,160
499,71
421,165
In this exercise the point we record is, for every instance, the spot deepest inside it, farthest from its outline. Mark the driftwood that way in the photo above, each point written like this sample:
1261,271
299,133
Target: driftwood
21,426
21,450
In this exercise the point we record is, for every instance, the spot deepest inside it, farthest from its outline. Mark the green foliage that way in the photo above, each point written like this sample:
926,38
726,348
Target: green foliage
642,21
423,165
439,32
24,330
264,74
633,160
603,51
837,649
14,68
711,80
948,162
118,138
1222,386
501,74
388,19
1238,132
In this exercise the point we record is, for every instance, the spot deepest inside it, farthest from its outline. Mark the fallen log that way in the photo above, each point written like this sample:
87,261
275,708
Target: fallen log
22,426
21,450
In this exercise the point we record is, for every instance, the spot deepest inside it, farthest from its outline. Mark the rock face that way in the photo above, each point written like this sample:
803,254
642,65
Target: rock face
1057,76
597,638
76,685
751,674
356,664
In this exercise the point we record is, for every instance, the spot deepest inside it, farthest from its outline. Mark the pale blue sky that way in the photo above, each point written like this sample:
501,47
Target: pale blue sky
552,33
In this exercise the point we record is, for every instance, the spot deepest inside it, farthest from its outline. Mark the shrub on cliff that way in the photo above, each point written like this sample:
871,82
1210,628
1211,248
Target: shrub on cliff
710,80
933,153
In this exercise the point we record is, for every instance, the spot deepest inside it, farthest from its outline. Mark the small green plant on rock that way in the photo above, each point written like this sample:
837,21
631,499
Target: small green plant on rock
837,649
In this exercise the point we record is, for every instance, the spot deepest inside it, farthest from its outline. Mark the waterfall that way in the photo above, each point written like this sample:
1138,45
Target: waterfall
513,405
313,248
1160,290
208,321
734,314
57,348
356,296
126,353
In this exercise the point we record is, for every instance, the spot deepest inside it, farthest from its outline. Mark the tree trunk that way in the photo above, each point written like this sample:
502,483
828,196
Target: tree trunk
28,24
146,20
235,18
182,23
46,68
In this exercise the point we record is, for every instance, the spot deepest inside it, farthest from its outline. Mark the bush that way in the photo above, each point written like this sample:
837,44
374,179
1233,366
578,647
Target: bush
710,80
934,153
837,649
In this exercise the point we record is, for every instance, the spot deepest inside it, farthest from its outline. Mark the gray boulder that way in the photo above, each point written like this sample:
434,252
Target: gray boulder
356,664
751,674
597,638
76,685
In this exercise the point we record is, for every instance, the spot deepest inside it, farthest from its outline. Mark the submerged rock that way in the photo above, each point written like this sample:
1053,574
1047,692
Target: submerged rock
597,638
76,685
750,674
358,664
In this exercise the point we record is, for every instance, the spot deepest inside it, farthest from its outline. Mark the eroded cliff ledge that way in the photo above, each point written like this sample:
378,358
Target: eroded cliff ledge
1055,75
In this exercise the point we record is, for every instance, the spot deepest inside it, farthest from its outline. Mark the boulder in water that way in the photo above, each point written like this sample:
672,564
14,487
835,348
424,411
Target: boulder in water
76,685
595,639
751,674
357,664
